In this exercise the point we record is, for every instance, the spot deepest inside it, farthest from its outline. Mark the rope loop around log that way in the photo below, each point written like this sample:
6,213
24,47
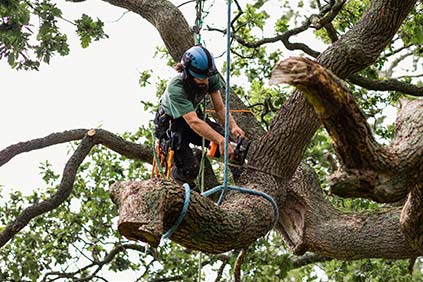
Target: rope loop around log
182,214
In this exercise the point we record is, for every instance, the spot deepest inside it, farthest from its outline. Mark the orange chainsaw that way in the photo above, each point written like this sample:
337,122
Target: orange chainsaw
240,152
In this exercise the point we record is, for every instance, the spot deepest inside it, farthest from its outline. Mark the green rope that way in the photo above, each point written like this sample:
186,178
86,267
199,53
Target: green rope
197,37
198,21
202,162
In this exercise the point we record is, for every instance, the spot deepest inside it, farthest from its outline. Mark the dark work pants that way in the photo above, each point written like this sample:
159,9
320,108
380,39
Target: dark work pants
186,162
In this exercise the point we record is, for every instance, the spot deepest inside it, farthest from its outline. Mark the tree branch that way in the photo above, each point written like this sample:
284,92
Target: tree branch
325,17
284,38
337,110
99,264
91,137
149,208
52,139
167,279
114,142
386,85
307,259
369,169
309,222
221,268
238,264
59,197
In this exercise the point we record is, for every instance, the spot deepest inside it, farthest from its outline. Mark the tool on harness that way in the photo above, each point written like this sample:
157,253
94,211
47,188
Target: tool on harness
240,153
165,150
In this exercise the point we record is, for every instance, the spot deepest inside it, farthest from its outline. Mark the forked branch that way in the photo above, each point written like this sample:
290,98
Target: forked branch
369,170
337,109
89,139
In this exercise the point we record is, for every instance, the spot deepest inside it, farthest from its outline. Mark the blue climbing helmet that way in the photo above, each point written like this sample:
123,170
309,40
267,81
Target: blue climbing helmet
199,62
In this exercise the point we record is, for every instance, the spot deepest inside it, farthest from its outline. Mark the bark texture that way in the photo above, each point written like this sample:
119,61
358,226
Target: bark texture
149,208
369,170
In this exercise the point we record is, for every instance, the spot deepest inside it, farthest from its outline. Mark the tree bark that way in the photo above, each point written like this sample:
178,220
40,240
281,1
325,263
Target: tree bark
369,170
149,208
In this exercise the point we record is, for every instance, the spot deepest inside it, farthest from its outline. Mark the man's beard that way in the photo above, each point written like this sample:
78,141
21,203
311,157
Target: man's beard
200,89
196,91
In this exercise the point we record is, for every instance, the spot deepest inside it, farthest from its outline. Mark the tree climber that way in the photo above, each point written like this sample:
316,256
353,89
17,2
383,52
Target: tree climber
180,120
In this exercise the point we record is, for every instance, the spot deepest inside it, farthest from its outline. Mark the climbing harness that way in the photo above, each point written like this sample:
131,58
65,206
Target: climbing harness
164,151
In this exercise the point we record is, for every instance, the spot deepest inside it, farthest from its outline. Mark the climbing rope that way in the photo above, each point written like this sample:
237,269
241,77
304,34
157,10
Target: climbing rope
198,21
181,214
227,104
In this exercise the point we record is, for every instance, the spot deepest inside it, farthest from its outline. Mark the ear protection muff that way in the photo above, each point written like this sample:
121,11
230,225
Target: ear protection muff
186,62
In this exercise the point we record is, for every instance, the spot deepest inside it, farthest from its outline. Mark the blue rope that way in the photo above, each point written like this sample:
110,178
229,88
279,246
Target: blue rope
248,191
228,69
182,214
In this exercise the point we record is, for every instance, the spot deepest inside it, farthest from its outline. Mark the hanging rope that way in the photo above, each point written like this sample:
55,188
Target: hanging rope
198,21
227,104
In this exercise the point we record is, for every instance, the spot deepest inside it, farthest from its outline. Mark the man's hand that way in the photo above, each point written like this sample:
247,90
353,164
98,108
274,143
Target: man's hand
237,132
231,152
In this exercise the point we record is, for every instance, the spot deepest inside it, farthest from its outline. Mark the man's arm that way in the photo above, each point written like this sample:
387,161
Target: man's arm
219,107
204,130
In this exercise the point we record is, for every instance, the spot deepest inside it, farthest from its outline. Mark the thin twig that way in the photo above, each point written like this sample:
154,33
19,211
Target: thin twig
187,2
238,264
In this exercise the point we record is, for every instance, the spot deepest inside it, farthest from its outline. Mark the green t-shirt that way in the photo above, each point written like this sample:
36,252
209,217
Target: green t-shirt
177,102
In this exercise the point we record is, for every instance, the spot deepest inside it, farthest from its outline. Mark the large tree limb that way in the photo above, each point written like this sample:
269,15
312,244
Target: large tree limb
114,142
369,169
337,110
149,208
310,223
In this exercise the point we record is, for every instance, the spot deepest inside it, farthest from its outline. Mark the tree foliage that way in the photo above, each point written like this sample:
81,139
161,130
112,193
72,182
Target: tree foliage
78,241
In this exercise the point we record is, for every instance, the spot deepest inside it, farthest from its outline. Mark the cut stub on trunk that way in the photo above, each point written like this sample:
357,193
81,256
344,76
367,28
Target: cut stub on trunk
140,217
